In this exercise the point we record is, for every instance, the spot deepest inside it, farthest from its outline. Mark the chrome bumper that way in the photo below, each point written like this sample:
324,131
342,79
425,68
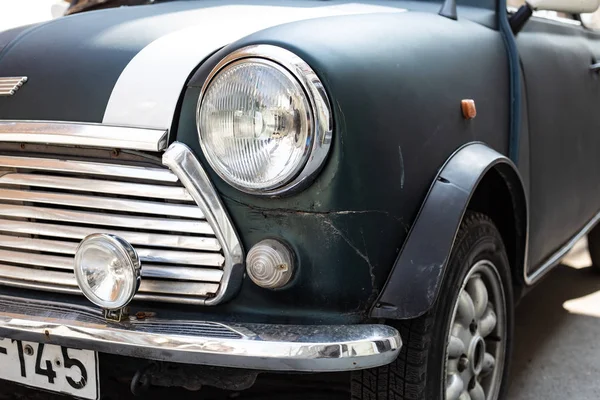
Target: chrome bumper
252,346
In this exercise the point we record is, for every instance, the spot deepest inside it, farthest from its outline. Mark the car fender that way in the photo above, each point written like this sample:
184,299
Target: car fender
413,284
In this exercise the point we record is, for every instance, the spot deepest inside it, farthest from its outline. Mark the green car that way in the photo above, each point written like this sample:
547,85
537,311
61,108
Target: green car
206,190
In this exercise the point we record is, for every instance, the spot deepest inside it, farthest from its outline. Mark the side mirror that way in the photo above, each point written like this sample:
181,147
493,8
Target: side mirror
566,6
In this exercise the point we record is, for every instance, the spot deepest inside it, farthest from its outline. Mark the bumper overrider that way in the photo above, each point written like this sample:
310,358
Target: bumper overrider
239,345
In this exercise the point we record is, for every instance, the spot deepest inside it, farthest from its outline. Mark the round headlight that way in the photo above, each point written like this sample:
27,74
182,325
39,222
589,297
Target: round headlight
107,270
264,120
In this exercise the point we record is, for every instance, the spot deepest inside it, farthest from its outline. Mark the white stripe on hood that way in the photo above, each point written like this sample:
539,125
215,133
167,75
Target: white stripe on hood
149,87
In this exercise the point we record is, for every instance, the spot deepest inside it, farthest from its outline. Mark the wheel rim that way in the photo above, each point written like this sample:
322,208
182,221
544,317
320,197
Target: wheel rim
477,339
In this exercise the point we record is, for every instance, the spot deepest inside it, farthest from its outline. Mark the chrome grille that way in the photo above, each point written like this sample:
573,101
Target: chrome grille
48,205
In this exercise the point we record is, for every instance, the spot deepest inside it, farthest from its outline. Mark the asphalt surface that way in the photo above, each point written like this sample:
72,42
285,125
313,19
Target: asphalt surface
557,352
556,356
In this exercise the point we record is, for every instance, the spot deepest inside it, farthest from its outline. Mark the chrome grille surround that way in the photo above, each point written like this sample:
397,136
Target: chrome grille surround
174,218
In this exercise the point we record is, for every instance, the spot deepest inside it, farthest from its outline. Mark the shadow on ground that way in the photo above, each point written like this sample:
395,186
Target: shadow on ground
557,351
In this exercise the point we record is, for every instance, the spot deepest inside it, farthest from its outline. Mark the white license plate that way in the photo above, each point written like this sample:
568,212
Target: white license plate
50,367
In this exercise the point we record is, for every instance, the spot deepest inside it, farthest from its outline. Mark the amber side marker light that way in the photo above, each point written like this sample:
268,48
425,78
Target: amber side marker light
468,108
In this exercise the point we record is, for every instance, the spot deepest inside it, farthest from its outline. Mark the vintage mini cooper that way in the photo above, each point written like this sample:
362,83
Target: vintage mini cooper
208,190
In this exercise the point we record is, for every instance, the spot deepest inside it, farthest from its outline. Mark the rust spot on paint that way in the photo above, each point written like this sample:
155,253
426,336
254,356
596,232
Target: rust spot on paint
141,315
468,108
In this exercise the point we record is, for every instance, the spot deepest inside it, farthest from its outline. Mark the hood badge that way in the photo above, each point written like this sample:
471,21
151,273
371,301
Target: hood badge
9,85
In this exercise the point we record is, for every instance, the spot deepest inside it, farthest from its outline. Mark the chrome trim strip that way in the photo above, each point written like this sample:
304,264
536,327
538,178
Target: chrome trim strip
555,258
181,257
9,85
27,243
96,185
253,346
103,203
65,263
65,282
94,218
182,161
83,134
87,167
41,260
320,118
136,238
54,246
199,289
182,273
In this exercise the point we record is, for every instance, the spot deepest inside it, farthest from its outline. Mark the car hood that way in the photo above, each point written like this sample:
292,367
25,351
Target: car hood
128,66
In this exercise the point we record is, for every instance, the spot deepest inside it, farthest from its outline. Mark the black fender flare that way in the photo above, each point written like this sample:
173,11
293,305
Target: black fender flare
413,284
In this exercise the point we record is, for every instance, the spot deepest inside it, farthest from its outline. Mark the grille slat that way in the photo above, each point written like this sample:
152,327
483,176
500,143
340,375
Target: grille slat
103,203
94,218
41,260
66,263
48,205
187,273
146,255
25,243
97,185
135,238
86,167
29,276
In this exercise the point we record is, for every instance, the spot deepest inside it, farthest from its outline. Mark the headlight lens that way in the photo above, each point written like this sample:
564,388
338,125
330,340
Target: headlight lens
259,122
107,270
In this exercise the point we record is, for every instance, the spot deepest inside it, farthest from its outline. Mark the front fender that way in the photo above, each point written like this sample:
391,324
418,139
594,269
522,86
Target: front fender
413,285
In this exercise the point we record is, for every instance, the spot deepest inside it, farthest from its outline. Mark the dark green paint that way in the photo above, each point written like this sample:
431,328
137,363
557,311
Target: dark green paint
397,120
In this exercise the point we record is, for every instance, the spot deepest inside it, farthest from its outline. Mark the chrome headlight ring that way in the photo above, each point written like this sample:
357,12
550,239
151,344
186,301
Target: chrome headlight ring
319,117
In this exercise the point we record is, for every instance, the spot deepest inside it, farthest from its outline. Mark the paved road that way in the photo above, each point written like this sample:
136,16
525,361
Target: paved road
557,352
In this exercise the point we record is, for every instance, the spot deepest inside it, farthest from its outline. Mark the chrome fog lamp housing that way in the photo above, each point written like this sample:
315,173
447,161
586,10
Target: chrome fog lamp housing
264,120
107,270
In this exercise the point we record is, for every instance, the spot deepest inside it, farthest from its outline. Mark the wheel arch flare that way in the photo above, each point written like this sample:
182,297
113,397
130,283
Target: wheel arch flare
474,177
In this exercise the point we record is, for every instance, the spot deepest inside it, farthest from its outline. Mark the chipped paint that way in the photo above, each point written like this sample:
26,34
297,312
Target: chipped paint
275,211
364,256
349,242
401,167
371,269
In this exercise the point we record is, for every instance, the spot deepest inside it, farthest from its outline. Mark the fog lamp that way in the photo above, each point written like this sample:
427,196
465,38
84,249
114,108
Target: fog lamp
270,264
108,270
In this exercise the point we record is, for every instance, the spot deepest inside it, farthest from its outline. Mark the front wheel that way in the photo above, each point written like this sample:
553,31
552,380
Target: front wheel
460,349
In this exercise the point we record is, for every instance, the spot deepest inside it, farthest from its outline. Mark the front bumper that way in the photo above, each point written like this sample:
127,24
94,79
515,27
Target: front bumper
251,346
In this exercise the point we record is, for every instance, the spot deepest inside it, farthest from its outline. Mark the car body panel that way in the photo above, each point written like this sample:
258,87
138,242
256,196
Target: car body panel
413,285
561,93
85,57
387,147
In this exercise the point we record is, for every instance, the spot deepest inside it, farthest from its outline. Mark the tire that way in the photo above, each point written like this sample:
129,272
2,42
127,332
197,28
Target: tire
420,371
594,246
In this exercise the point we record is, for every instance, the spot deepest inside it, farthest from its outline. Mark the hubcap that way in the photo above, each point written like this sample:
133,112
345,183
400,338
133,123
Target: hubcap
477,338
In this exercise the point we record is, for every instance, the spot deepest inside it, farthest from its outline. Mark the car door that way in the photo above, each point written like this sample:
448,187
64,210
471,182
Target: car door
563,97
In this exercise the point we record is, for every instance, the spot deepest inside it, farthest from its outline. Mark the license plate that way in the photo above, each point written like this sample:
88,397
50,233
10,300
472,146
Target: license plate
50,367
